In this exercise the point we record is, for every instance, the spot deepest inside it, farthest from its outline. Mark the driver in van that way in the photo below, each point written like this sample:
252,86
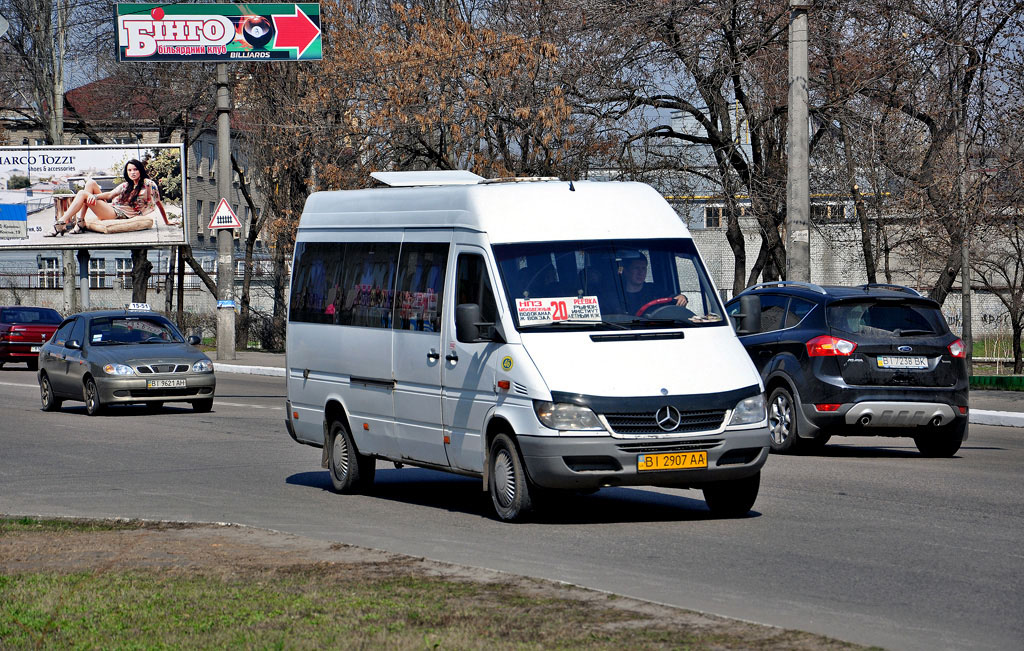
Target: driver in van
637,292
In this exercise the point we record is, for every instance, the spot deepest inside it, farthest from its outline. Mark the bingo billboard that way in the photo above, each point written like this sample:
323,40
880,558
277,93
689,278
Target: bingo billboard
92,197
218,32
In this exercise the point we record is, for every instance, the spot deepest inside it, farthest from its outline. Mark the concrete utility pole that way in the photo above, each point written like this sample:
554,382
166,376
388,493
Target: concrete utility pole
225,236
798,201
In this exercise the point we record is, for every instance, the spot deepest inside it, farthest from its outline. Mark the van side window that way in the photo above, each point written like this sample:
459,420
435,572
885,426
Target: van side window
473,285
314,281
420,293
367,285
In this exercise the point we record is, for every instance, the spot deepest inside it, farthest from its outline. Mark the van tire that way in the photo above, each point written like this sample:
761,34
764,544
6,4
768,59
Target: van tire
506,480
350,471
782,420
944,443
734,498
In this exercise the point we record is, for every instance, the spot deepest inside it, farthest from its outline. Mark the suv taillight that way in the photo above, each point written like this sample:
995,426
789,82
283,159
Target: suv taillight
957,349
826,346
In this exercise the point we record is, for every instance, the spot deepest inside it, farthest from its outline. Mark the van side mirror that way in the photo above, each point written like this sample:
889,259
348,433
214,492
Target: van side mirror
193,340
470,328
748,321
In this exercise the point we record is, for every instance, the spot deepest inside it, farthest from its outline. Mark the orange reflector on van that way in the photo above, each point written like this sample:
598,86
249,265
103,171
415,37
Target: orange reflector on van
366,426
504,384
295,415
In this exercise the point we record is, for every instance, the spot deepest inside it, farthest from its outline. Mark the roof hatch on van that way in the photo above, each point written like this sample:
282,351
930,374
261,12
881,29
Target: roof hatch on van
428,177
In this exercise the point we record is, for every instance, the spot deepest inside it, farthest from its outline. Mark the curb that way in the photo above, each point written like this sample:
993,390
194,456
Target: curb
248,370
1002,418
977,416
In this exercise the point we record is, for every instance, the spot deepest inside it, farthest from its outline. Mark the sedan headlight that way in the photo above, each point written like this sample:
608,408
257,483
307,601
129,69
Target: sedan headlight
118,369
564,416
749,411
203,366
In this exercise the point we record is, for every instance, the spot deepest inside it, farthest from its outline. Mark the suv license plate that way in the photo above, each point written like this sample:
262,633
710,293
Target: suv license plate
164,384
889,361
672,461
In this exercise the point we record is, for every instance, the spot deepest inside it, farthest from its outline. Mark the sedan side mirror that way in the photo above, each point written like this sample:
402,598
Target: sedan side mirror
74,344
194,340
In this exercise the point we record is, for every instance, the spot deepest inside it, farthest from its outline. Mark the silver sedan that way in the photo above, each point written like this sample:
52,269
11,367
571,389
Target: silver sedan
123,356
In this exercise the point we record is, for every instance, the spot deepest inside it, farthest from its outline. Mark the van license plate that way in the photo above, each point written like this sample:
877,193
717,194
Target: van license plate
164,384
889,361
672,461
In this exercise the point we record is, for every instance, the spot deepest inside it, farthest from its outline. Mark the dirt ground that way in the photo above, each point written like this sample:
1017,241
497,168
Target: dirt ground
233,550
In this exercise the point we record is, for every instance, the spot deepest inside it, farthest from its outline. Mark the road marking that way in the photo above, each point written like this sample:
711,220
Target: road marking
18,384
248,406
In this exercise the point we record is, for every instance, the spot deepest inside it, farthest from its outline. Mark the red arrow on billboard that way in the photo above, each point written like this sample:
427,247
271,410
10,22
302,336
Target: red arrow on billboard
296,31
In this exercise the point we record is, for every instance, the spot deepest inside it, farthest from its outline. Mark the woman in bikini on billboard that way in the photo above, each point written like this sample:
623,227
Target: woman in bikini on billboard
138,195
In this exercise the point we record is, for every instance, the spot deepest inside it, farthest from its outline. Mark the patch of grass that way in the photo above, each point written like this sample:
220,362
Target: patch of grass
306,609
12,525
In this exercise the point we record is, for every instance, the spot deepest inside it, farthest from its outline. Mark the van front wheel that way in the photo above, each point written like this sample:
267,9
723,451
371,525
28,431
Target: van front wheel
734,498
349,470
507,483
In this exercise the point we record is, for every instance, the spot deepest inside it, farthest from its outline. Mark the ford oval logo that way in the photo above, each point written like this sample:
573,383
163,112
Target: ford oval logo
668,418
905,349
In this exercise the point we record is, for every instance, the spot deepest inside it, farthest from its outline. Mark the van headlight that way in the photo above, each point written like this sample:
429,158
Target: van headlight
118,369
749,411
564,416
203,366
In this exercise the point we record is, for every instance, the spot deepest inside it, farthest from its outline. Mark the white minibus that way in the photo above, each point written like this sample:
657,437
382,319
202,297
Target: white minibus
538,334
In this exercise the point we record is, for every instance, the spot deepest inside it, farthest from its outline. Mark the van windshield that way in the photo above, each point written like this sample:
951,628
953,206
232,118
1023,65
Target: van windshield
602,284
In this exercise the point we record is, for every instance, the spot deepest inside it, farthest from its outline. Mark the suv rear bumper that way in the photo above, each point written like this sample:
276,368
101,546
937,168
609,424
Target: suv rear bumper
885,414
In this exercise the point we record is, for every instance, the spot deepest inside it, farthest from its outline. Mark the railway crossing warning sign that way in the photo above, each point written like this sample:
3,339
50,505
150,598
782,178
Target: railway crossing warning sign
224,217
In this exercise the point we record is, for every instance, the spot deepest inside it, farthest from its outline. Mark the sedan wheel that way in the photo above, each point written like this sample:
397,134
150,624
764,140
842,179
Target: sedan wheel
782,420
93,406
50,402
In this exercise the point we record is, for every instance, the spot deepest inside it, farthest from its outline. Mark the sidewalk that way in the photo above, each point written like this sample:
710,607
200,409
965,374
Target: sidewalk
1005,408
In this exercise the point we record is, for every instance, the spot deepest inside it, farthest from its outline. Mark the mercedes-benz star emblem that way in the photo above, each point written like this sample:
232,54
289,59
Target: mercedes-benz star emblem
668,418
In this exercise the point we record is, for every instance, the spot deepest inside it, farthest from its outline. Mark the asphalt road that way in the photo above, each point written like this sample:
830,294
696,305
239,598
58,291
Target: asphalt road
867,542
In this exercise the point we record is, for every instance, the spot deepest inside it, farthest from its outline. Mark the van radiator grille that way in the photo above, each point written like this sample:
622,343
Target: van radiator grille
654,447
640,423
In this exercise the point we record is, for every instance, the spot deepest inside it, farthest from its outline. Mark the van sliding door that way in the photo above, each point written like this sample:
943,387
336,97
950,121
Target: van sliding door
418,358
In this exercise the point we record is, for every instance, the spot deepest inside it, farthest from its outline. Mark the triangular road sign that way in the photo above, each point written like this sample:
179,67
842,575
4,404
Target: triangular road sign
224,217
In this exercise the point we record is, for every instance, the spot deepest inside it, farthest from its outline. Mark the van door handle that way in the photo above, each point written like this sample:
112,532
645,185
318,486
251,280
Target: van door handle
452,357
433,355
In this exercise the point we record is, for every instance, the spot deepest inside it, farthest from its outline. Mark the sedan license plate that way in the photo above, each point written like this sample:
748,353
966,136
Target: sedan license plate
672,461
34,349
164,384
891,361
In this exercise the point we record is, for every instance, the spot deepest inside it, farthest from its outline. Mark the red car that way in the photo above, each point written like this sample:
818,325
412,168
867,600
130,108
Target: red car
23,331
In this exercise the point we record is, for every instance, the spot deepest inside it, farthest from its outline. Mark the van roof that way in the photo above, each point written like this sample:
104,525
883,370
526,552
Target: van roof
508,211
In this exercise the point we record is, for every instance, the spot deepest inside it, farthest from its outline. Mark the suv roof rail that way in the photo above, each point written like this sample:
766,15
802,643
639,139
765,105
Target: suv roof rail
898,288
788,283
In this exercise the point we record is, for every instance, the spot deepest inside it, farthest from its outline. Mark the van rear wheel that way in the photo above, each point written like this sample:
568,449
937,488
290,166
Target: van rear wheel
506,480
349,470
734,498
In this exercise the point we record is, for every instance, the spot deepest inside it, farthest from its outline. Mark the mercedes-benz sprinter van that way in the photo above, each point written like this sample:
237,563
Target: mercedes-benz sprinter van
534,333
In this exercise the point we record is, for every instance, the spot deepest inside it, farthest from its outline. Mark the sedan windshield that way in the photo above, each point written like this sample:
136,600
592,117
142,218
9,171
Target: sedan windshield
605,284
132,330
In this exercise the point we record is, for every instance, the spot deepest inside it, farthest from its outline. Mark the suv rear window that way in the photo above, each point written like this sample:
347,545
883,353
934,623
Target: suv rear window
888,319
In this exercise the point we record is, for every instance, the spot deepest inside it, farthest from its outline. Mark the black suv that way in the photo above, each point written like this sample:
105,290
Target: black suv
873,360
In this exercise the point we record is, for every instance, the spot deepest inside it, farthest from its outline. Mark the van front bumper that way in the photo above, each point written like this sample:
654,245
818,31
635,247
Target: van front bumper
592,462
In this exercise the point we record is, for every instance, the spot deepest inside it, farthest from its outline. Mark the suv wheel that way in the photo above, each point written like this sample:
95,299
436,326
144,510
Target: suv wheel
943,442
782,420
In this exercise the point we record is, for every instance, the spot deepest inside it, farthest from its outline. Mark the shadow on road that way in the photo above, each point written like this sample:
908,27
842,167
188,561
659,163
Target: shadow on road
453,493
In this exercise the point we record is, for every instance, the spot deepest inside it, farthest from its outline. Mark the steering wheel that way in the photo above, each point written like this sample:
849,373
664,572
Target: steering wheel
658,301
